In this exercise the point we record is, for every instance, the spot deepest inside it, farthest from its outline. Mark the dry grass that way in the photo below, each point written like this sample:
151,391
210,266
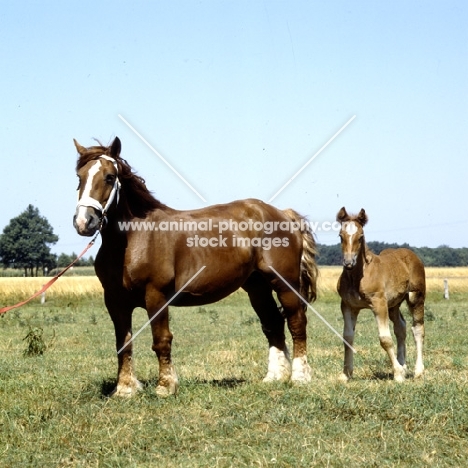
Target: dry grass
457,278
12,289
15,289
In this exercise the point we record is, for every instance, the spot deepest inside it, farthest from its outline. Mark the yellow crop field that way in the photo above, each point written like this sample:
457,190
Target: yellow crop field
22,288
457,279
16,289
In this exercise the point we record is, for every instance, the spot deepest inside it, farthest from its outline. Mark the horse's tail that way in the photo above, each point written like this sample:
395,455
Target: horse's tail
309,270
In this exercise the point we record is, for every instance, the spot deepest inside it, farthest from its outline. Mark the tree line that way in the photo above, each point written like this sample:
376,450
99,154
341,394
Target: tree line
25,244
442,256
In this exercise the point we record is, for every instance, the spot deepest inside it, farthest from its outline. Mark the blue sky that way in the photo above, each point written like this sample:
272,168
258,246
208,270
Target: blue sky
237,96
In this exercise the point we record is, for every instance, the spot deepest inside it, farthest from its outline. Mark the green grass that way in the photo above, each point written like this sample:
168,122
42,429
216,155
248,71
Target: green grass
54,409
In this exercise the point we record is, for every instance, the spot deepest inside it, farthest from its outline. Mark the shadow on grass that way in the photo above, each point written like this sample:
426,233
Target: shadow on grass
108,385
232,382
376,375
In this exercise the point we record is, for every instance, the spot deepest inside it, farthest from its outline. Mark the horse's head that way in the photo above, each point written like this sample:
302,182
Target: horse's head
99,185
351,235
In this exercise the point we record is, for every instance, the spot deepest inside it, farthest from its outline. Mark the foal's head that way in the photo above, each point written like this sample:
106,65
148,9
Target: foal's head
99,184
351,235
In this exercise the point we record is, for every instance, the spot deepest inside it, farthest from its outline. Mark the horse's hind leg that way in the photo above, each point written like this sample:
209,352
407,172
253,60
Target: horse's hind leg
261,298
416,306
295,312
399,328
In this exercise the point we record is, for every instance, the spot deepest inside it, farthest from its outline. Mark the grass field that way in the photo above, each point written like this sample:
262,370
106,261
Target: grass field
54,409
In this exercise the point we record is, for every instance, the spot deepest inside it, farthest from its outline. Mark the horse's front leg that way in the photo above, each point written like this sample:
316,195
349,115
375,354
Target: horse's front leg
350,319
121,315
168,383
380,309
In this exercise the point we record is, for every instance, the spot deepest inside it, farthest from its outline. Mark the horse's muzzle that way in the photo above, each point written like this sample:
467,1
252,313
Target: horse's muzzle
349,262
86,221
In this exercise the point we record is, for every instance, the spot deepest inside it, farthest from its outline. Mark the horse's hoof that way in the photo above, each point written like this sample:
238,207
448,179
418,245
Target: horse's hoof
168,383
399,377
279,365
277,377
165,392
301,371
418,373
127,391
343,378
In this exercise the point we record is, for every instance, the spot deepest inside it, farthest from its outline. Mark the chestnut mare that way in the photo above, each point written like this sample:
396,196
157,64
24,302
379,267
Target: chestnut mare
380,283
146,267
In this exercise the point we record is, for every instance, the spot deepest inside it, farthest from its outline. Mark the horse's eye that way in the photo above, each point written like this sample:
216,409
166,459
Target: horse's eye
110,179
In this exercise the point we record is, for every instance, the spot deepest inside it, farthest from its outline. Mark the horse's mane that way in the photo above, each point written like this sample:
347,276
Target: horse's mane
137,201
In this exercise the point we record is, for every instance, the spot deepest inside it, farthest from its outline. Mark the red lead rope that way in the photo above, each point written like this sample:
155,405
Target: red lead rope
52,281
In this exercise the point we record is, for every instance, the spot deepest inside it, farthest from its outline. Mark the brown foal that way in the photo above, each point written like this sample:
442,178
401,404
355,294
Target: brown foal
380,283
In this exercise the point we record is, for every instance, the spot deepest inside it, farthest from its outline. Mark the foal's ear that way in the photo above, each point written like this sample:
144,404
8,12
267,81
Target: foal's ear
81,149
115,148
362,217
342,215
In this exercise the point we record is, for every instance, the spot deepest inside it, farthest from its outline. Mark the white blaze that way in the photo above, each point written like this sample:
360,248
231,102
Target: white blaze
81,214
351,229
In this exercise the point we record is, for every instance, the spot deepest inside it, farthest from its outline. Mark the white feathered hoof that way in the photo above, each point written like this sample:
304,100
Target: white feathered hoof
168,383
301,371
279,366
128,390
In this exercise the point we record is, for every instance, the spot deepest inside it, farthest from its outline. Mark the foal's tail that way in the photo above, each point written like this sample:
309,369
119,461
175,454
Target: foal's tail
309,270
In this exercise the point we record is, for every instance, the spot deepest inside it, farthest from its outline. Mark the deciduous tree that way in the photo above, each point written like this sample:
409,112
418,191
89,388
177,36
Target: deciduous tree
25,242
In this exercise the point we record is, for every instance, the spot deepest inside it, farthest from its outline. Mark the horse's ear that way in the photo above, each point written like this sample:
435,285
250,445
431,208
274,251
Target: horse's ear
115,148
81,149
362,217
342,215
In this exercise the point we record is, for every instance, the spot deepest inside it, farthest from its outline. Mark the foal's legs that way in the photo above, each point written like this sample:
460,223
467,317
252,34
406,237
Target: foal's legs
261,298
399,328
379,307
162,339
350,318
416,306
121,315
